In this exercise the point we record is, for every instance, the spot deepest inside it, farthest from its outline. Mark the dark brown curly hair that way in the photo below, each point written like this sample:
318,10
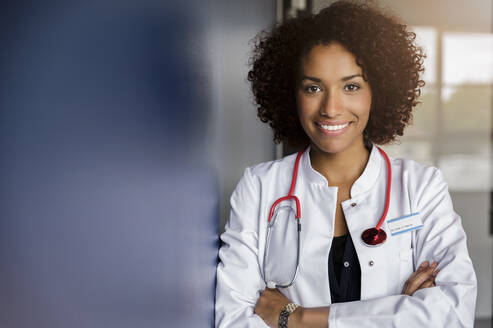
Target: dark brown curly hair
384,49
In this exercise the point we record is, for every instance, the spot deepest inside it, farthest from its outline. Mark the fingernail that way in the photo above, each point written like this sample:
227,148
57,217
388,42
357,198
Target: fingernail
434,264
424,264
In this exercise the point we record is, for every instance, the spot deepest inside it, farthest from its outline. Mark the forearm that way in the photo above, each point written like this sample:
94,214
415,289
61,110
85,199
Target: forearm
309,317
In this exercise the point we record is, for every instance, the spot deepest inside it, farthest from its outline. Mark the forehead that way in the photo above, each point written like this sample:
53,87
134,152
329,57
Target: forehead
329,60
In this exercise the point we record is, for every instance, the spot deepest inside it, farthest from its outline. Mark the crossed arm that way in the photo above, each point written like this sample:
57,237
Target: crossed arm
271,301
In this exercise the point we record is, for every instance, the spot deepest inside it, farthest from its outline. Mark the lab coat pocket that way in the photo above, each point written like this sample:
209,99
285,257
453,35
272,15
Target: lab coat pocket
406,268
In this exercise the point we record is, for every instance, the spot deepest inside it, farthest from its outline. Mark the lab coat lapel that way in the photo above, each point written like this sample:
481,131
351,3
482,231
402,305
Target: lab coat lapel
363,211
317,213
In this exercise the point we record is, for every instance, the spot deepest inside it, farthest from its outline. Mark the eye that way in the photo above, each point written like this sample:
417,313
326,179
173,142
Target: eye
311,88
351,87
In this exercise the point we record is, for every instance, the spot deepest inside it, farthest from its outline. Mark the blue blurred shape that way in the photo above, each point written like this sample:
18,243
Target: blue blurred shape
108,214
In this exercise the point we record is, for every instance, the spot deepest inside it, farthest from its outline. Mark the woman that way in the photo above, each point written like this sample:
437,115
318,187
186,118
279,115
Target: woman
336,85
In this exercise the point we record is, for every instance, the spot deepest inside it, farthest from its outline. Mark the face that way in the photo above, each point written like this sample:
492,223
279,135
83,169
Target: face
333,99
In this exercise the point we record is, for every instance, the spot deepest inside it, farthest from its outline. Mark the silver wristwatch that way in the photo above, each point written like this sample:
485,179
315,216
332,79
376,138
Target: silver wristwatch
284,316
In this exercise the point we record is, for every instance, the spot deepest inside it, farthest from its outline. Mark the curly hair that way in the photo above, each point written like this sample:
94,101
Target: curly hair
383,47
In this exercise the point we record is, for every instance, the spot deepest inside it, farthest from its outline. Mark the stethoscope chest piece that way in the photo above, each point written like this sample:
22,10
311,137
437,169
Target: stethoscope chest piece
374,237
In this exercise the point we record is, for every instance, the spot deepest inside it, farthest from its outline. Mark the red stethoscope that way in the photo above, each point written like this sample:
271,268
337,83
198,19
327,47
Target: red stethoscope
372,236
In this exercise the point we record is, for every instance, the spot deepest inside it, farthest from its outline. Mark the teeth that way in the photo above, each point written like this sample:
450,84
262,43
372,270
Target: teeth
334,127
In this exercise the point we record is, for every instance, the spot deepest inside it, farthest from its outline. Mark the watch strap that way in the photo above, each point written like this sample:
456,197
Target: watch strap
284,315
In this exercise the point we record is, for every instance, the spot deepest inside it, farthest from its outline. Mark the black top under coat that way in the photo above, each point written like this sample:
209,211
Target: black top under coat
344,271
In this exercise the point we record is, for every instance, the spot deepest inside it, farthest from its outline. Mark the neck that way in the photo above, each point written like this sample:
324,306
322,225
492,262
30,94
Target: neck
343,167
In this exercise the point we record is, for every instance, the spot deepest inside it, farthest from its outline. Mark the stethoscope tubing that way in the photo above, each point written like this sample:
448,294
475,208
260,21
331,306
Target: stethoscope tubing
377,235
387,191
298,254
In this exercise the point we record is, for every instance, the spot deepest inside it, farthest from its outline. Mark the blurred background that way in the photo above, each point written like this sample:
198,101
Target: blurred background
125,126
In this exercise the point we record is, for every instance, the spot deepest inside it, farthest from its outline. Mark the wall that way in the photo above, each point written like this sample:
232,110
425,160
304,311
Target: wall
123,124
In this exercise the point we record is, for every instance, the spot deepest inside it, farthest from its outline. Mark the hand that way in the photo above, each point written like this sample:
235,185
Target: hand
424,277
269,306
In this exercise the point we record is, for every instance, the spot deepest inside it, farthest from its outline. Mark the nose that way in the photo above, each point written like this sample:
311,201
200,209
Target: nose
331,105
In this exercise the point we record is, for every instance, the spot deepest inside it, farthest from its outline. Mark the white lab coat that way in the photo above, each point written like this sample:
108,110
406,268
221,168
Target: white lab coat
415,188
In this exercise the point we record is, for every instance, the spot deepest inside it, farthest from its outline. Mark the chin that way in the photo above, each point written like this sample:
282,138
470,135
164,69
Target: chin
330,148
336,146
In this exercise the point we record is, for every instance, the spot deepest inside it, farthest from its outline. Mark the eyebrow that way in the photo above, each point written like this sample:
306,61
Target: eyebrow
346,78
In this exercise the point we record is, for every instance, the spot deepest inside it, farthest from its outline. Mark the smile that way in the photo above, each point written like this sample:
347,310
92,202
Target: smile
333,127
333,130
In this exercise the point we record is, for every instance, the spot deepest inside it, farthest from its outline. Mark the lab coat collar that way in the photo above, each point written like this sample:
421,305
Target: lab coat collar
364,183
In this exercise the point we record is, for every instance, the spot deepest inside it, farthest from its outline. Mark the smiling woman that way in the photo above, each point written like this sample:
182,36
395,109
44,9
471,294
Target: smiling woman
333,99
335,85
385,53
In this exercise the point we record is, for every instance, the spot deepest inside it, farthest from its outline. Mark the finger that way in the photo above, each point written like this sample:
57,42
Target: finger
421,277
425,274
410,285
422,267
427,283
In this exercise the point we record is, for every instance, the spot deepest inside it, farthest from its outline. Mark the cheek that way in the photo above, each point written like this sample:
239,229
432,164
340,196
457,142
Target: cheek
369,101
307,105
363,105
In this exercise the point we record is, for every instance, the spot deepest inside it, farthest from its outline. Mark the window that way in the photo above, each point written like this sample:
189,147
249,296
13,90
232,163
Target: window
452,125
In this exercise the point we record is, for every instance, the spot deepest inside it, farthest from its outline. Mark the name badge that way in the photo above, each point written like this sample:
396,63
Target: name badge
405,223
